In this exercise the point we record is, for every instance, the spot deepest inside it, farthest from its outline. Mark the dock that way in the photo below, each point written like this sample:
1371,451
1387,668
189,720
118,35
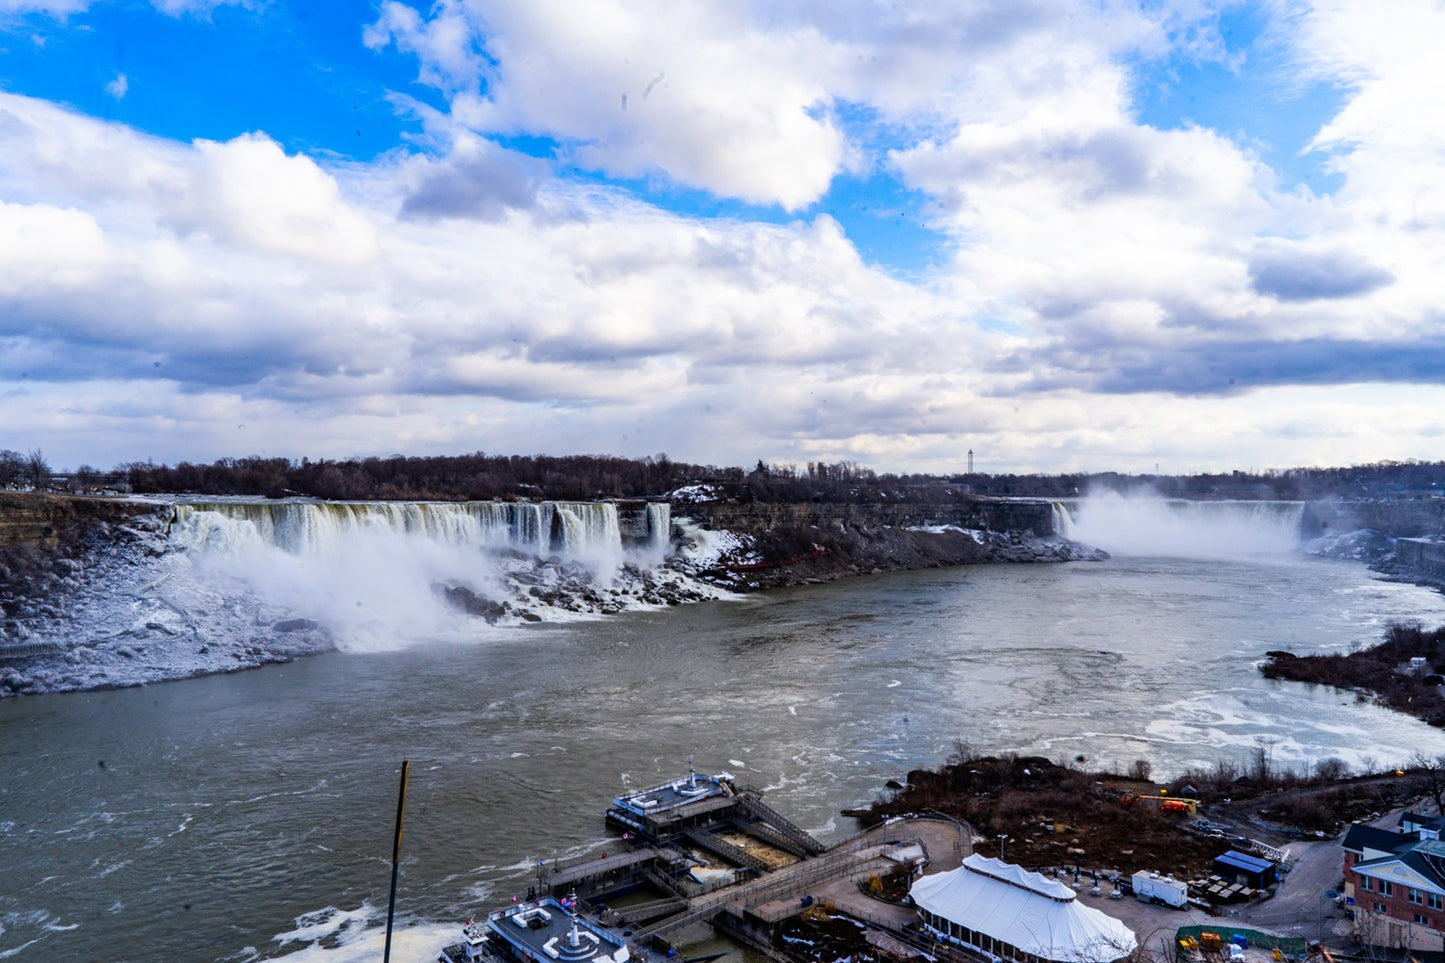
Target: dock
699,851
762,869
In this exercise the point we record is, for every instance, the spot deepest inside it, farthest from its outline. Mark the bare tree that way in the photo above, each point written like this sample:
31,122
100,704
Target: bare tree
37,470
12,467
963,753
1432,770
1261,767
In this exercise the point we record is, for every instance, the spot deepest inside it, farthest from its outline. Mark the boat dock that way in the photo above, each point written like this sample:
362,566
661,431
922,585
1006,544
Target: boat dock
701,851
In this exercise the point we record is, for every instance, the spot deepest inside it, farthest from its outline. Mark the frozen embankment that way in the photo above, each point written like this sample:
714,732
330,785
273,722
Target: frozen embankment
152,591
124,593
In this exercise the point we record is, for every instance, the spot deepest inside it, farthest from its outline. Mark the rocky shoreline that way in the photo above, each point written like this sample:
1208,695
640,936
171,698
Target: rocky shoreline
1402,672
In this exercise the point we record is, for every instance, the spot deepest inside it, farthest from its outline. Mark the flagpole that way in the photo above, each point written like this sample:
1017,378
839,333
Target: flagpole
395,858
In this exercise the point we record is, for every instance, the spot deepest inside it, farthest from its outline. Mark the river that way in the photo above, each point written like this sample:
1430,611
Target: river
249,816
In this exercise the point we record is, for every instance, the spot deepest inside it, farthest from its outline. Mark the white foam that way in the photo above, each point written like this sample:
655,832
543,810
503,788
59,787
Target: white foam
1142,523
346,936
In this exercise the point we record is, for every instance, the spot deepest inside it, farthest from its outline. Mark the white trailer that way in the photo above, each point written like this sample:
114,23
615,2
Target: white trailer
1153,888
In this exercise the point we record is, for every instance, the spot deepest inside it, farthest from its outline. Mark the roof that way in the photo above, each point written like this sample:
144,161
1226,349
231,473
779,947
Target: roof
1436,823
675,794
1250,864
1362,838
1031,912
547,928
1421,865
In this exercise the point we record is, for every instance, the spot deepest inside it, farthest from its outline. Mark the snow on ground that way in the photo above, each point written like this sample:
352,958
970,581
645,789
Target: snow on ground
152,608
700,548
693,494
972,533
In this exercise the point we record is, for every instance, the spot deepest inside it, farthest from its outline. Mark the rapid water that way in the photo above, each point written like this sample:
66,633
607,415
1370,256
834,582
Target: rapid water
249,816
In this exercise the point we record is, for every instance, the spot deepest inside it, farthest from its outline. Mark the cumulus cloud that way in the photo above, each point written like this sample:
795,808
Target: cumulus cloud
476,179
1112,293
1293,275
692,91
118,87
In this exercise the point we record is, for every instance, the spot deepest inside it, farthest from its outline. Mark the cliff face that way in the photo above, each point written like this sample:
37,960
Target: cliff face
805,542
988,514
47,542
51,521
1397,518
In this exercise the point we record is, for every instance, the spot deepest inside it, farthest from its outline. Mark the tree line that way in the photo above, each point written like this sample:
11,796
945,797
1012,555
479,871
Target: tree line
479,475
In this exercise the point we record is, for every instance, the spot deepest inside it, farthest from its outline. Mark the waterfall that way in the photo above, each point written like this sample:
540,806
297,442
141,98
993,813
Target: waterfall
659,527
381,574
1063,522
1146,524
587,531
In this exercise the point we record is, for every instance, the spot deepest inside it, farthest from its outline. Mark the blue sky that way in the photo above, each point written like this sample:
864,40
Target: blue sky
1068,235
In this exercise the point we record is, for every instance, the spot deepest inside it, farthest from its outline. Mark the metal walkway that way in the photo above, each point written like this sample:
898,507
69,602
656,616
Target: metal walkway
790,881
754,807
721,847
552,878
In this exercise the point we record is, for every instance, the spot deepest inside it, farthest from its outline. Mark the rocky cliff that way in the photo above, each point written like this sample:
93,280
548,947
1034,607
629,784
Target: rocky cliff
48,542
1397,537
794,543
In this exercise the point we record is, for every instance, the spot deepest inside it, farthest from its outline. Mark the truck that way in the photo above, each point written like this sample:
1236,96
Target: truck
1166,890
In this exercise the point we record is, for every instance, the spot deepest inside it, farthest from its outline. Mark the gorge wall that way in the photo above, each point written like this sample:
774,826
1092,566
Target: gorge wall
1397,518
1035,517
816,541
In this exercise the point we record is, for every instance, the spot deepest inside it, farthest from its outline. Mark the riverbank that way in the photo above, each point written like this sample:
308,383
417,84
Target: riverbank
1403,672
1038,814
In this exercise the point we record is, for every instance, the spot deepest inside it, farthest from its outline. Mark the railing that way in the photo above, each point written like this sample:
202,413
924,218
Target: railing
19,650
754,806
725,849
641,912
559,873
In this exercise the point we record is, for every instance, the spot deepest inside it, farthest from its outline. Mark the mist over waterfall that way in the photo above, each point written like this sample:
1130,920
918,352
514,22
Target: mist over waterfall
384,574
1147,524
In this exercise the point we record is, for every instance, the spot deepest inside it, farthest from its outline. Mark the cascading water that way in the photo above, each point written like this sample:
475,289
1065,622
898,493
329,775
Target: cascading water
587,530
1146,524
398,571
659,528
1063,523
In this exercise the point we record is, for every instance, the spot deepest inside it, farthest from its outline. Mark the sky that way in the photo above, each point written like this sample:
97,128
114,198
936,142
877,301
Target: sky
1175,236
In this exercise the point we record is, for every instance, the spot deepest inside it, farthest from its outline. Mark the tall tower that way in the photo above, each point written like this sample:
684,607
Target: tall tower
970,461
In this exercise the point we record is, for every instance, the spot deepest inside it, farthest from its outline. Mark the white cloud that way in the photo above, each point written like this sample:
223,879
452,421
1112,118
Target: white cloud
118,87
1117,294
63,8
691,90
56,8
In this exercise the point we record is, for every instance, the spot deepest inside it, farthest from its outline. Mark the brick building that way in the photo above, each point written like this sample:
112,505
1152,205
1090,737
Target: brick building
1397,883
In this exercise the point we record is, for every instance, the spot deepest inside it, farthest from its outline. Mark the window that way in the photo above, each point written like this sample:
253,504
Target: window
1414,895
1422,919
1386,887
1436,901
1366,883
1380,908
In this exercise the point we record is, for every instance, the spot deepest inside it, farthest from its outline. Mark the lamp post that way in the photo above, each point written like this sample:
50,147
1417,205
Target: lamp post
1002,838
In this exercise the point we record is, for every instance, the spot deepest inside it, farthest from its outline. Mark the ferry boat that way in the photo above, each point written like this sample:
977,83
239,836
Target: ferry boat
547,930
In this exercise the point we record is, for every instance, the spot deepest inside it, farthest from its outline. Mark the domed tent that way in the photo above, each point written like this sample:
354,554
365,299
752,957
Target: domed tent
1006,911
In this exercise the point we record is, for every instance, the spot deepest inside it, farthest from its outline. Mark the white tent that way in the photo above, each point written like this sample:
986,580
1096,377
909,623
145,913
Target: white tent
1012,913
